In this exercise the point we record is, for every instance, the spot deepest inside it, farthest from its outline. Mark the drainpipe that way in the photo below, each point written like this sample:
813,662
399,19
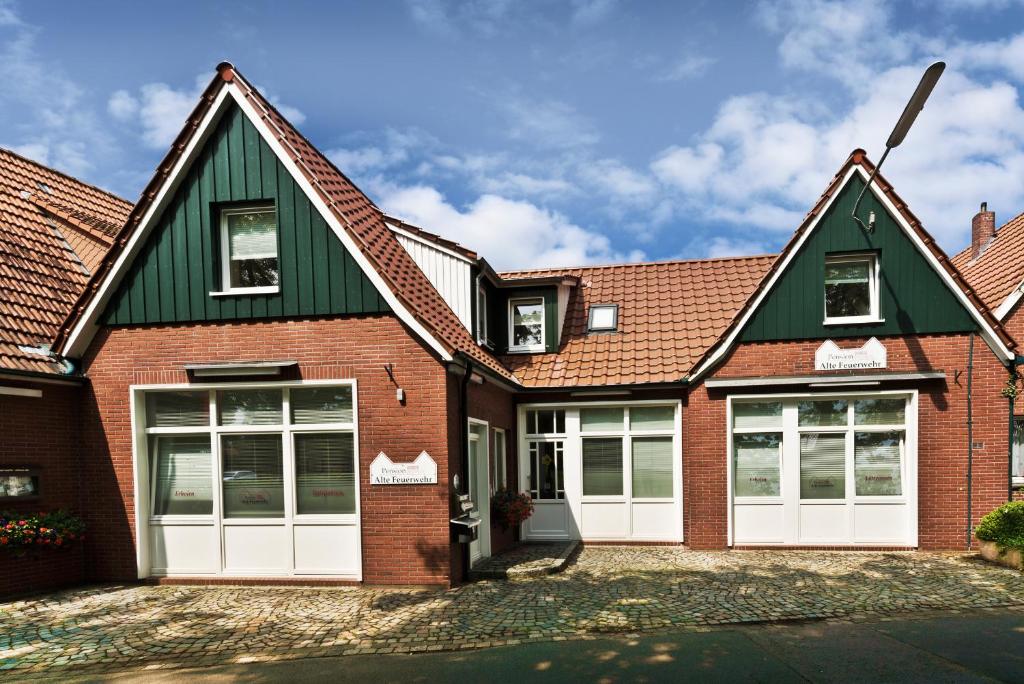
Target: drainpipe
970,440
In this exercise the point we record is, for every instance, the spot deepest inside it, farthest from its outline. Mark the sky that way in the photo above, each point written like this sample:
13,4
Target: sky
551,132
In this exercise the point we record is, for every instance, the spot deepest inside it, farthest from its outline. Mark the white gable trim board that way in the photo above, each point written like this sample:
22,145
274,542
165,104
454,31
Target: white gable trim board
84,330
450,273
987,333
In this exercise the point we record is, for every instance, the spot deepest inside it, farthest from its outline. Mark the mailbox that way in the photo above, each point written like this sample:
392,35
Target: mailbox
465,528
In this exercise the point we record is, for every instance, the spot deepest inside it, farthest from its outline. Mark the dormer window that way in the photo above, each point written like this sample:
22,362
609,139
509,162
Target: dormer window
526,325
249,250
603,318
851,289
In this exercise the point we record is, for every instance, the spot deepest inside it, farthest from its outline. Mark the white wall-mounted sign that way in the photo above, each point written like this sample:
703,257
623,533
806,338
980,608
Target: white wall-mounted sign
830,357
383,471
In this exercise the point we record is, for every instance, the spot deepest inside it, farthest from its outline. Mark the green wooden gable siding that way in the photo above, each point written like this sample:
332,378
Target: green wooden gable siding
499,319
913,299
171,278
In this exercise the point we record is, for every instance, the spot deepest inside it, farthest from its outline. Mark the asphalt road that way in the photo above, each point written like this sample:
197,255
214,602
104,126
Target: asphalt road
981,646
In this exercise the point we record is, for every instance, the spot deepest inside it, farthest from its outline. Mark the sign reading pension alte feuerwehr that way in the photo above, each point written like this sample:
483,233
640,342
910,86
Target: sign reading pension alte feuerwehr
384,471
830,357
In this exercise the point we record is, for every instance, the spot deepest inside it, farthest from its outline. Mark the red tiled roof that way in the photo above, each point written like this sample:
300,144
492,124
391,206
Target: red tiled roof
53,228
354,210
1000,268
669,314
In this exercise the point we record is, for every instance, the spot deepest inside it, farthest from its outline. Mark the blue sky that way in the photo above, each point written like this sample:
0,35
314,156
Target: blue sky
551,132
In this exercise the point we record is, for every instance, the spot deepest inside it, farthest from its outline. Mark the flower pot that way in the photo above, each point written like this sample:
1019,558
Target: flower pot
1011,558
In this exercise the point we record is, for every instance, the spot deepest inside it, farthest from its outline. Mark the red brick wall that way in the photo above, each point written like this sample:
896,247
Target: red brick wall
42,433
404,528
942,433
496,406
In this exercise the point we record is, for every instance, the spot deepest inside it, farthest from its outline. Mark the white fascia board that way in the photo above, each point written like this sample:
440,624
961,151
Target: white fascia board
725,345
1004,309
991,338
84,330
987,332
429,243
86,327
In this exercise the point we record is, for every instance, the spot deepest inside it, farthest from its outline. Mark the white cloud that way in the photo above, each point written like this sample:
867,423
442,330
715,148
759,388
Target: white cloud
449,18
591,12
685,68
612,177
160,110
547,123
766,157
8,16
122,105
510,233
731,247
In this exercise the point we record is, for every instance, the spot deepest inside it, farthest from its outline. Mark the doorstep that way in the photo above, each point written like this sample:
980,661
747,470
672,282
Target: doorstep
532,559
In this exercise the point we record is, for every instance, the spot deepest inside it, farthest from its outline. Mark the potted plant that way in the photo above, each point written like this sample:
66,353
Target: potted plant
1001,534
510,509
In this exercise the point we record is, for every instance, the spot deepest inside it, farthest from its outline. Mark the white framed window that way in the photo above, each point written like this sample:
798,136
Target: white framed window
252,452
481,316
851,289
626,452
526,325
757,449
248,239
499,475
1017,467
603,318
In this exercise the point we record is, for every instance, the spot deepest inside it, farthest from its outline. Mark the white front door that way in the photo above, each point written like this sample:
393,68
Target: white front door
479,489
542,469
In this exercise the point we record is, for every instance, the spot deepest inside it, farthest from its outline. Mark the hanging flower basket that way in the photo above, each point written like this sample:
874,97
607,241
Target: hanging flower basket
23,532
510,509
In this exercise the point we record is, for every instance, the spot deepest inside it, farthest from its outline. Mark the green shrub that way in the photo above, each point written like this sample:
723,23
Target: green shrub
55,529
1004,526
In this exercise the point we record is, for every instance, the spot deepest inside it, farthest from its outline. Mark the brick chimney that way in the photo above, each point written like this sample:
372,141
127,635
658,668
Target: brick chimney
983,229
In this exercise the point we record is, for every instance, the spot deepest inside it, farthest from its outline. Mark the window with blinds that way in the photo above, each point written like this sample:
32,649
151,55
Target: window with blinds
250,247
823,465
602,466
325,478
249,407
182,468
851,287
177,409
318,405
757,459
253,476
652,418
601,419
652,467
877,457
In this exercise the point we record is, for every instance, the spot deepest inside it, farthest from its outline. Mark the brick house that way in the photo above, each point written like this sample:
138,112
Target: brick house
278,381
994,265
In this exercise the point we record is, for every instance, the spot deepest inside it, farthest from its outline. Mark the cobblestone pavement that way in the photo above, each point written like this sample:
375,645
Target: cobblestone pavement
526,560
608,589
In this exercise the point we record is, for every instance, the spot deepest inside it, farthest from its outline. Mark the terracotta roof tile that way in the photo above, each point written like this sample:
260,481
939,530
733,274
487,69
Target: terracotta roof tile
53,230
669,313
1000,268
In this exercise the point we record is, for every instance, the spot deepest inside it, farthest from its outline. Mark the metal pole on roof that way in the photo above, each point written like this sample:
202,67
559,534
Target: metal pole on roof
899,132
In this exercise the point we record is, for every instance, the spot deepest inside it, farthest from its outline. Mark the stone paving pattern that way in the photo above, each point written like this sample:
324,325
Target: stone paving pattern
607,589
526,560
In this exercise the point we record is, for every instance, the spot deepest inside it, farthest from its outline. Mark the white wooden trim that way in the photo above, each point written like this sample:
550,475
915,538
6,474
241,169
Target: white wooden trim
987,332
484,507
430,243
225,250
528,349
84,330
287,429
1011,301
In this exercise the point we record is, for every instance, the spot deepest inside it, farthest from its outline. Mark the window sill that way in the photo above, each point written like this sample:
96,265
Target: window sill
271,289
1018,482
854,320
527,350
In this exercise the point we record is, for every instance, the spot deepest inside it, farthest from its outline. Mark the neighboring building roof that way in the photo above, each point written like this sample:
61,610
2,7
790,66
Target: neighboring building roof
670,313
360,219
991,328
54,230
1000,269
